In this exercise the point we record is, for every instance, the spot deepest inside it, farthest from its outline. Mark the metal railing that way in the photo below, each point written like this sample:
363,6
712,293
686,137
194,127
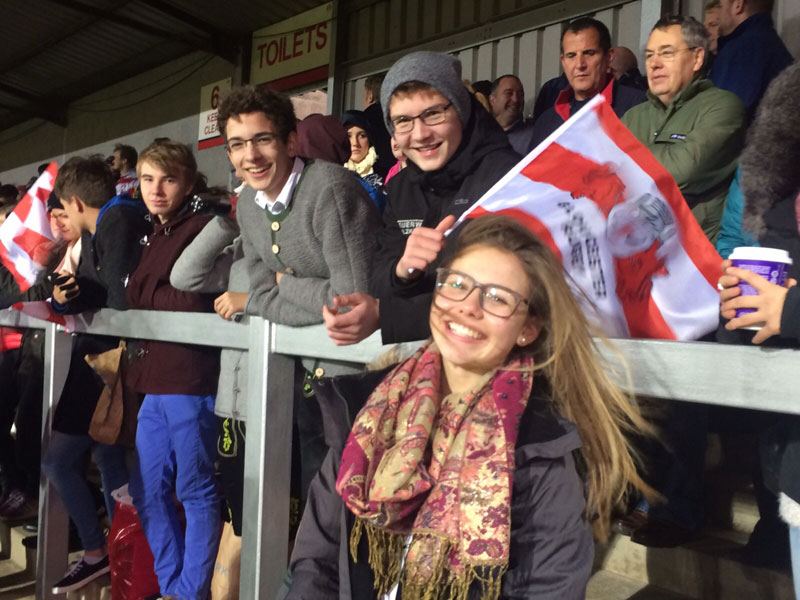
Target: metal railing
737,376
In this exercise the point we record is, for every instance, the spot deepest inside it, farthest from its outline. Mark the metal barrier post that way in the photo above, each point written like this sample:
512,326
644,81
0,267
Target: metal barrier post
51,552
267,467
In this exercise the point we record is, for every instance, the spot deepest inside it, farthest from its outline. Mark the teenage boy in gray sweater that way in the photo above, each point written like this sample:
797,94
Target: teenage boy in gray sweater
308,231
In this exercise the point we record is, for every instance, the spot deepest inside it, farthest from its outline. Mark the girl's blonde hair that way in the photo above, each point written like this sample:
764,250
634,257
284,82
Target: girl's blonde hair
582,385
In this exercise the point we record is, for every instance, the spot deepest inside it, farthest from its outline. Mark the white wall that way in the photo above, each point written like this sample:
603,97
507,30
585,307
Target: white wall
534,56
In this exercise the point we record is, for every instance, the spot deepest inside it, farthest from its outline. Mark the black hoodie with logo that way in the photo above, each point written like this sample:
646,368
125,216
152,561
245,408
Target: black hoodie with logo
423,198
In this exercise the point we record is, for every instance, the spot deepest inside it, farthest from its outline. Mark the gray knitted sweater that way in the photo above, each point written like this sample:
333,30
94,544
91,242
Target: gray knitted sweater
211,264
323,243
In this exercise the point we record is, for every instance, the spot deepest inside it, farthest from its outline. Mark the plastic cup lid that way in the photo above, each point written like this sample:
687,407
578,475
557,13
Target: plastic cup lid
765,254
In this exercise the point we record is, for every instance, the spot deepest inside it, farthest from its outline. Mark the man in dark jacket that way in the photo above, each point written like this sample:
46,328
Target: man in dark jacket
111,229
377,127
625,68
750,52
507,99
456,151
175,435
586,54
770,189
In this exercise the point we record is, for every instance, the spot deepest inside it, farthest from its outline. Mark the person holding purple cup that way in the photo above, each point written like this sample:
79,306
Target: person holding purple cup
770,182
753,290
751,301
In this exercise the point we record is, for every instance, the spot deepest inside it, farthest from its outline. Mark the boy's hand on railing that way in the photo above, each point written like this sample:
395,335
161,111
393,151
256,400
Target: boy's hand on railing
354,325
230,303
65,288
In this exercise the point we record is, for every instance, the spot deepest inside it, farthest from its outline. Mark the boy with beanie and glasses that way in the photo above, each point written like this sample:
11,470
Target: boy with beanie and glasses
455,152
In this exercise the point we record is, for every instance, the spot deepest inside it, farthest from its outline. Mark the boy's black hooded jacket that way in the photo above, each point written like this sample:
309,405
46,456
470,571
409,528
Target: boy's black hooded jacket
423,198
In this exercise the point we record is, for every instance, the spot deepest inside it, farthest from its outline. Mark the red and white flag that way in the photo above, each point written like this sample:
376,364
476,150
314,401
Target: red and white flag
42,309
617,221
25,237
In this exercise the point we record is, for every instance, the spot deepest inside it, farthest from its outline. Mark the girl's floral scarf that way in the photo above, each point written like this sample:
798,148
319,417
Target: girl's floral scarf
438,471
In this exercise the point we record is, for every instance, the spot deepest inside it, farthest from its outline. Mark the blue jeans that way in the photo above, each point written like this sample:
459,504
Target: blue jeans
64,466
176,442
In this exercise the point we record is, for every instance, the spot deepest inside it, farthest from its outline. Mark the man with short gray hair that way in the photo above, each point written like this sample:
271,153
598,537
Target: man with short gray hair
694,129
374,115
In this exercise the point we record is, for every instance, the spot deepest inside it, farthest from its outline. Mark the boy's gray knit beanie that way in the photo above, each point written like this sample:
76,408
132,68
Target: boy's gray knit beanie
441,71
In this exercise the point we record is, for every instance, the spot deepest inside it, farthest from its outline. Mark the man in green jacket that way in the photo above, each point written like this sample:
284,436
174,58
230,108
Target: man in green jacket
695,130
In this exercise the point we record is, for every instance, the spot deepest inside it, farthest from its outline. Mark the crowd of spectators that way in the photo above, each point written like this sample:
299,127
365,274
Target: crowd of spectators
343,221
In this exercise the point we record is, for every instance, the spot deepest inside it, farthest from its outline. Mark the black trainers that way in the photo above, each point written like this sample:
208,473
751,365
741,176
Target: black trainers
79,574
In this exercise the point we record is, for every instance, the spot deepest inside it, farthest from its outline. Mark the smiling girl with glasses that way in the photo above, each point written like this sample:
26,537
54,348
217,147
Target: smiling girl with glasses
478,467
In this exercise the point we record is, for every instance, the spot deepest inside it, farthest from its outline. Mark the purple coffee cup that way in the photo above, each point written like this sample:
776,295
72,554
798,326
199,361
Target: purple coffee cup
771,263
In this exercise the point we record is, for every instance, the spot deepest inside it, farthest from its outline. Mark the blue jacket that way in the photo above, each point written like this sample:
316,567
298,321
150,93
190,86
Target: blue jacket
748,59
731,234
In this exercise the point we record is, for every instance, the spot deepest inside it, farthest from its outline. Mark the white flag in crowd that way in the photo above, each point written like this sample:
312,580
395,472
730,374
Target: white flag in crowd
617,221
25,237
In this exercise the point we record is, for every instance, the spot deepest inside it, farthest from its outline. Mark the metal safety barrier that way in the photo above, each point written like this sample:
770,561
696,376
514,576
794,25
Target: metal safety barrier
735,376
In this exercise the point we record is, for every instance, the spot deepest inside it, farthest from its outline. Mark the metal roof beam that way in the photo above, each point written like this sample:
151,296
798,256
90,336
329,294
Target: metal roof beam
15,91
54,114
50,110
225,45
182,15
126,21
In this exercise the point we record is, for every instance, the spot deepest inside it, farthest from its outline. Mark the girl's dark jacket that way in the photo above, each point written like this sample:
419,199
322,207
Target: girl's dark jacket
165,367
770,182
779,435
551,543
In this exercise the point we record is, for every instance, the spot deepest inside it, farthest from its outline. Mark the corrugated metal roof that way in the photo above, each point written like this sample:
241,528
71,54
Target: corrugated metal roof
57,51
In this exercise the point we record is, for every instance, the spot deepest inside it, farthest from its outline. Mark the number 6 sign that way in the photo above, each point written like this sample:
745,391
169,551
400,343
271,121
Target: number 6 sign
208,133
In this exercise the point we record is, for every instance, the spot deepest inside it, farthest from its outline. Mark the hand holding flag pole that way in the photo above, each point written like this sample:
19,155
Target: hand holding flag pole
422,248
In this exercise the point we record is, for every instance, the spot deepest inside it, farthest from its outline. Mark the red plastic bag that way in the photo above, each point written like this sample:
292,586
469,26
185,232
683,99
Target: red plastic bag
132,575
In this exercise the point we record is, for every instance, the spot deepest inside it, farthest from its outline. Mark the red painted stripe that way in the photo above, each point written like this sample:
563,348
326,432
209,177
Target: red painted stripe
210,143
701,252
298,79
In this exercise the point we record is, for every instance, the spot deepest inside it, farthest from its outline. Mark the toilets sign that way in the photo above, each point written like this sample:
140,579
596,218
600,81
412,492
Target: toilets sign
208,135
293,52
